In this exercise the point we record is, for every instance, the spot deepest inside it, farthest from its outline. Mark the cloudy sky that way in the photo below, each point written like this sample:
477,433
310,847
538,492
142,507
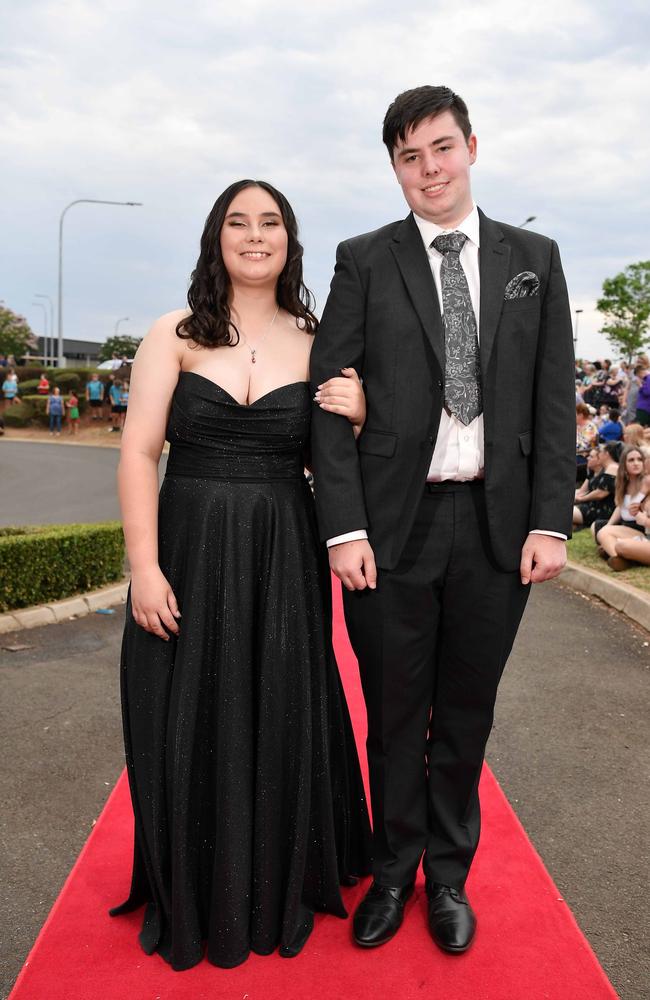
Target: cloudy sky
167,103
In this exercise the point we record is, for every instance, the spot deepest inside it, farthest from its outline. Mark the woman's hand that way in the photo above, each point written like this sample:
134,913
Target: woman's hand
344,394
153,603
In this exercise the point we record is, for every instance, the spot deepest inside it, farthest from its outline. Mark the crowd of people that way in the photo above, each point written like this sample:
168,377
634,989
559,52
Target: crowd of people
613,459
106,400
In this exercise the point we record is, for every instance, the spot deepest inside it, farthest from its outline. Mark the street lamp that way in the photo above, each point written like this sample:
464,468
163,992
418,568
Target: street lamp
49,352
575,335
41,306
531,218
77,201
123,319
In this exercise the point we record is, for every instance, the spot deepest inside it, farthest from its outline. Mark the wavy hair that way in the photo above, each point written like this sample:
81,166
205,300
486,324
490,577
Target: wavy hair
210,323
622,478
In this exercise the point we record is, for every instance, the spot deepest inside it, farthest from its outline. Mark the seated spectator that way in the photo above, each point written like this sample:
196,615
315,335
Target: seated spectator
612,428
634,549
43,387
586,438
632,487
613,387
595,498
602,416
633,434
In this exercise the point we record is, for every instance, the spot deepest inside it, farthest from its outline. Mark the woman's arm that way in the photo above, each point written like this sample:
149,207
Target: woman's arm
344,395
153,380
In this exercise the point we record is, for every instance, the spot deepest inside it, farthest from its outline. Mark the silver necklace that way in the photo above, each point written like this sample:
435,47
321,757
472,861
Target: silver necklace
254,350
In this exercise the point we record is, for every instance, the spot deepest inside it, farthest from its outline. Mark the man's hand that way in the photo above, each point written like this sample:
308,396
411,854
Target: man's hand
543,557
354,564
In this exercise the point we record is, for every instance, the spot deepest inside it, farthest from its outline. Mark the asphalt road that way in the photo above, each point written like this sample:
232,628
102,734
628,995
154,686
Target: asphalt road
569,748
57,483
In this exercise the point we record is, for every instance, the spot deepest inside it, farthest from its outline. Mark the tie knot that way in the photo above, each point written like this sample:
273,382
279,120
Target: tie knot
449,242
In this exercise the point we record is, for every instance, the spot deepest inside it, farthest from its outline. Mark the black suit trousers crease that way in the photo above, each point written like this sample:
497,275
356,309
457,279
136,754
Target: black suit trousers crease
432,642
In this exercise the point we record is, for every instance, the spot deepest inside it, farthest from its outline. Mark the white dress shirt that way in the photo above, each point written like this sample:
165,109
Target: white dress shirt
459,452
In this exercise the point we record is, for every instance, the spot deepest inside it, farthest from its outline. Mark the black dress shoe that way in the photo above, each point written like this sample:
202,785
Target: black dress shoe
300,935
379,915
451,919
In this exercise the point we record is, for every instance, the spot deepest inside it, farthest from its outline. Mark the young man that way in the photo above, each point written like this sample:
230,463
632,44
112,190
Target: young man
458,496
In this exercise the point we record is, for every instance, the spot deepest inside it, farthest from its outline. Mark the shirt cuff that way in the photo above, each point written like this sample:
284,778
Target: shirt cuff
350,536
553,534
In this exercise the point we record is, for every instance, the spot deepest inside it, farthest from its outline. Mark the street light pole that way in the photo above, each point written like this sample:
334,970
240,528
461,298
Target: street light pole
575,335
41,306
77,201
49,351
123,319
531,218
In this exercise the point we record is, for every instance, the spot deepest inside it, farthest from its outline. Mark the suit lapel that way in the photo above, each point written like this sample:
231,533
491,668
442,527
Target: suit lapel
412,260
494,261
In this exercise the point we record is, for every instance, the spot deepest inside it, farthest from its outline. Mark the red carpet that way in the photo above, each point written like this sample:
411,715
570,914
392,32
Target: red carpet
528,946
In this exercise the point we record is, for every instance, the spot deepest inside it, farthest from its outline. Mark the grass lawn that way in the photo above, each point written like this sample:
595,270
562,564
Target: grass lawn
581,549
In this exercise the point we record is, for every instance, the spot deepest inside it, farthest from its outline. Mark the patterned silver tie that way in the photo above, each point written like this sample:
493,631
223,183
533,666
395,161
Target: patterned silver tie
462,361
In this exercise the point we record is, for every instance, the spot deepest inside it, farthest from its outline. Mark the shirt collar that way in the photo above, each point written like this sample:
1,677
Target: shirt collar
470,226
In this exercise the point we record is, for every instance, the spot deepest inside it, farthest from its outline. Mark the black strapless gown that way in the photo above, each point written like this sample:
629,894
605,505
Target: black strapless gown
244,777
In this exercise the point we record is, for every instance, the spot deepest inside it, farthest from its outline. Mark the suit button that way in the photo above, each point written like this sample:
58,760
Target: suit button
439,384
431,440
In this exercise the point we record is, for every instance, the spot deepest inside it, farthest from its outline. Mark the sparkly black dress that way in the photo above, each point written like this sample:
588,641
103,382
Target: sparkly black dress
246,789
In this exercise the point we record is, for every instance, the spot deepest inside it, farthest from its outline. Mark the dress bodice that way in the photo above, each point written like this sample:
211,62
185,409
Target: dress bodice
213,436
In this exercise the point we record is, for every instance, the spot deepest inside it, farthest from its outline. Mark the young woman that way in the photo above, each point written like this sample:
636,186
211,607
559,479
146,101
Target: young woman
248,801
632,487
634,548
595,498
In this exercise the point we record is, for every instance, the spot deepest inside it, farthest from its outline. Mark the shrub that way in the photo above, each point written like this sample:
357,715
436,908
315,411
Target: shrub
49,562
30,385
19,414
68,380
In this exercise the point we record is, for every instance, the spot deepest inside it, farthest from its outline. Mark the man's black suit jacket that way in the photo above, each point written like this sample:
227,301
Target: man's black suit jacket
382,318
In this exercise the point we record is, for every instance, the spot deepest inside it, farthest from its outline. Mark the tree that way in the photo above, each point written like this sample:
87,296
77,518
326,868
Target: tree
122,346
625,304
16,336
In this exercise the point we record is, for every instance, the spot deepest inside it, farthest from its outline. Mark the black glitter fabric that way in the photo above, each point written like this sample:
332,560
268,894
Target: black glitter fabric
246,789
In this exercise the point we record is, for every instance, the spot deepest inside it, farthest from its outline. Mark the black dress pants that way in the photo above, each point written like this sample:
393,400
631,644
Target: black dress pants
432,641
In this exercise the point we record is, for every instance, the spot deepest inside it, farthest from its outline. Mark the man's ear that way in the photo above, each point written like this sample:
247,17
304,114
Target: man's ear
472,147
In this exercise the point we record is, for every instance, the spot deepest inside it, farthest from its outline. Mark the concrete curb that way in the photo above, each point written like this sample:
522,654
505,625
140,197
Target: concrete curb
59,611
629,600
626,599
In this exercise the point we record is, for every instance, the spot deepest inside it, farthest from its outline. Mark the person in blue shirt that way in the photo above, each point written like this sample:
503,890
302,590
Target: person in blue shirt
612,429
54,410
115,395
95,396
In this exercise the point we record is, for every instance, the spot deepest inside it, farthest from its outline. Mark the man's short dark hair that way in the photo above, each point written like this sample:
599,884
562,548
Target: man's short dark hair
414,106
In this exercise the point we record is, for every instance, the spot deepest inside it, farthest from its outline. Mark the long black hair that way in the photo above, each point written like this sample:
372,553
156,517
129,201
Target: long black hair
209,323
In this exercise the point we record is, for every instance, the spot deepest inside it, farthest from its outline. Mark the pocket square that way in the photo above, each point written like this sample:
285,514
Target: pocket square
522,286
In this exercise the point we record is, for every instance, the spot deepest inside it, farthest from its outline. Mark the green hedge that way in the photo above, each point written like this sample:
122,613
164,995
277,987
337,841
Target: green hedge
19,414
49,562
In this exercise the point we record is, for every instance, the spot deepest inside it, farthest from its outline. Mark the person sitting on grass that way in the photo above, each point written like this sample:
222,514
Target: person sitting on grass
54,410
612,428
632,487
595,498
634,549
